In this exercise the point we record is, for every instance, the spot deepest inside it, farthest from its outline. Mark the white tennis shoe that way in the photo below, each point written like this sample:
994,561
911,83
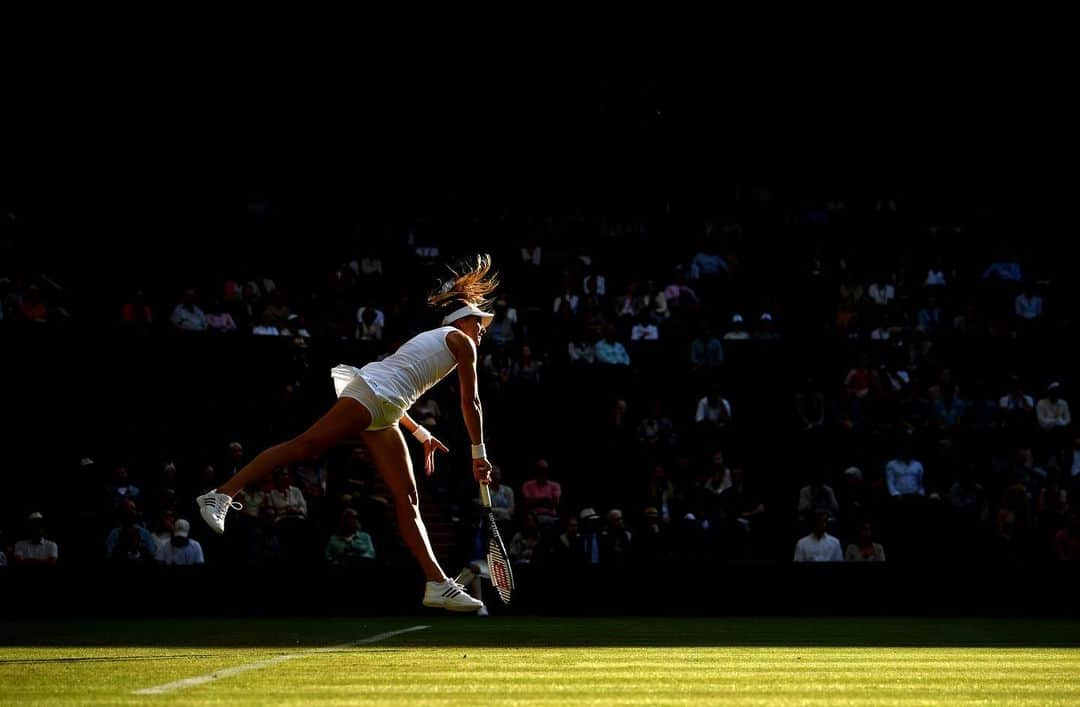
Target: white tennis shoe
451,596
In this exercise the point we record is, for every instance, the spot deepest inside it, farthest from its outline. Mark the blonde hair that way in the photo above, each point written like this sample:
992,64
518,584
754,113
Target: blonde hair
472,281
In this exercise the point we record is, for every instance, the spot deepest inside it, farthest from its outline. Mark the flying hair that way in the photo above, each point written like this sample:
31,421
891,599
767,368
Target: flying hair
471,281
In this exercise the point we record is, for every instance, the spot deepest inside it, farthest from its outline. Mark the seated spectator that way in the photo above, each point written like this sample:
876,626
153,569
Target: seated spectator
616,542
766,330
120,543
628,305
656,431
187,316
864,549
881,292
1053,411
654,303
949,410
904,475
350,546
935,274
1067,540
254,500
859,380
286,500
523,544
368,328
819,546
32,307
540,495
713,410
36,550
371,265
581,349
572,544
502,496
610,352
234,460
1017,405
594,283
929,317
707,263
566,303
295,327
738,332
585,546
706,350
1008,271
277,312
503,326
1028,305
810,406
644,329
266,326
181,550
526,369
137,312
219,319
163,527
119,489
817,497
660,492
718,474
739,505
678,293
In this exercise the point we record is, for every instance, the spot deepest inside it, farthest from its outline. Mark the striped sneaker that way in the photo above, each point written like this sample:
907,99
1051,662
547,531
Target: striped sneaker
213,506
449,595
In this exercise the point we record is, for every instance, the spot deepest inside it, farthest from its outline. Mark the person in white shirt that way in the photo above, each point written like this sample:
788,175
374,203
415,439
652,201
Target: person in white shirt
36,549
286,500
180,550
865,549
380,316
567,298
1053,411
819,546
904,476
882,293
713,409
737,333
187,316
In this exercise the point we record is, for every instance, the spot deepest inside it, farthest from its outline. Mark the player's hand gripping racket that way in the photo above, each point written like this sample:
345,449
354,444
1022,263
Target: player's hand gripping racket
498,562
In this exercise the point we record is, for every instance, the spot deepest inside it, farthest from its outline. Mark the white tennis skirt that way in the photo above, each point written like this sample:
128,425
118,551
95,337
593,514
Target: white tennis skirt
348,383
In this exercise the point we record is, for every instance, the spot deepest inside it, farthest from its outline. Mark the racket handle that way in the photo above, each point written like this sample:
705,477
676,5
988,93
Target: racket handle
485,496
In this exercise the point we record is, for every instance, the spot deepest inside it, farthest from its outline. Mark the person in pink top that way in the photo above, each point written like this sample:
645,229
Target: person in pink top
541,495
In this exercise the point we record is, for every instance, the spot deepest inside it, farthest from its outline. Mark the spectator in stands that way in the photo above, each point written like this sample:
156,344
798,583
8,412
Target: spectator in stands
718,474
628,305
1067,540
679,295
1017,406
121,541
819,546
503,326
566,303
935,275
738,332
611,352
660,492
881,292
589,544
706,350
817,497
1053,411
1028,305
379,316
967,499
368,328
645,329
523,544
163,527
860,379
949,410
1006,270
277,312
526,370
655,303
713,411
740,508
766,330
181,550
581,349
219,320
187,316
120,489
371,265
540,495
234,460
572,543
864,549
904,475
350,546
930,317
36,550
616,542
286,500
810,406
656,431
32,307
136,312
502,496
594,282
266,326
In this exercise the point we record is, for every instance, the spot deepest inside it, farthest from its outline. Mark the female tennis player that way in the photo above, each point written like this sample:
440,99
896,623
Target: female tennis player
372,403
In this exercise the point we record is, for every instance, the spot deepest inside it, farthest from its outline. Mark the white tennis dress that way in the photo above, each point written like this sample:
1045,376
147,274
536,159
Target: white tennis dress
389,387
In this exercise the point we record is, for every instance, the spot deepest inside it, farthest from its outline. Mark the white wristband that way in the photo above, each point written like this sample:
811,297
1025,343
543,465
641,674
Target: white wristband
421,433
478,451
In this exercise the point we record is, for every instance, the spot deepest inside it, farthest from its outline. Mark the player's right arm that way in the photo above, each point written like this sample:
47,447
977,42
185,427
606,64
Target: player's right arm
464,352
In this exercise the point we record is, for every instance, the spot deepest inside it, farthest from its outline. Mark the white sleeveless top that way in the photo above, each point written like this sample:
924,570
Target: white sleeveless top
421,362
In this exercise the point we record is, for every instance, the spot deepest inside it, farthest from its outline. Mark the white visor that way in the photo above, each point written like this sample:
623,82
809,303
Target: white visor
469,310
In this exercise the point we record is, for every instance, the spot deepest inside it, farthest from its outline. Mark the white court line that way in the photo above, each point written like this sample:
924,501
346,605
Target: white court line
227,672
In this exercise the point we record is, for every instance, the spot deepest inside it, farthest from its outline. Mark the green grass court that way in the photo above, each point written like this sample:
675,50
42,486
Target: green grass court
468,661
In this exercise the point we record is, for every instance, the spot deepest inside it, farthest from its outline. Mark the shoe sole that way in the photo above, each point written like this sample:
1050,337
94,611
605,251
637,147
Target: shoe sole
456,609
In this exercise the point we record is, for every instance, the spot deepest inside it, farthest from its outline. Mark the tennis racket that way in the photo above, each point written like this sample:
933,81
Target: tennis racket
498,562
